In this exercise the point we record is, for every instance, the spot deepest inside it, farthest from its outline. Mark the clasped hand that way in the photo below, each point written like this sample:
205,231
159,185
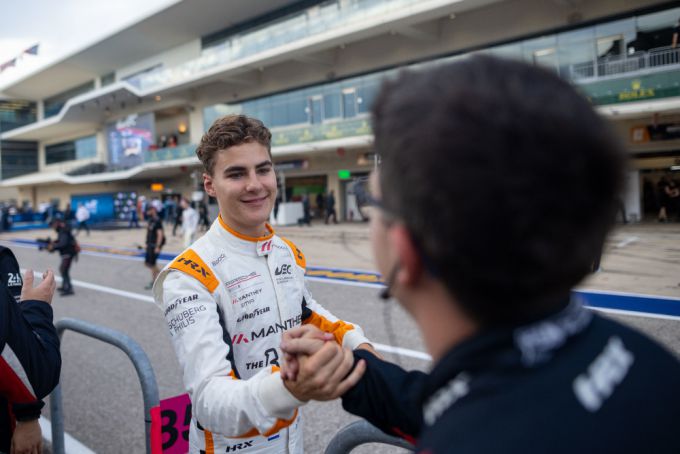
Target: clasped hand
315,367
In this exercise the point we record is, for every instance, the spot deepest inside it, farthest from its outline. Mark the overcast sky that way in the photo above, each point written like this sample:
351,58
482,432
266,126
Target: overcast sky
62,27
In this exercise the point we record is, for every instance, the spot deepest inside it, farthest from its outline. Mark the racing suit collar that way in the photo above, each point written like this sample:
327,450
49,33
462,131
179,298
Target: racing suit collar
241,236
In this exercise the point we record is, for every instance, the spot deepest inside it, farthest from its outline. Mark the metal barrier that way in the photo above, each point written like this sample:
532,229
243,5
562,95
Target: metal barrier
358,433
147,378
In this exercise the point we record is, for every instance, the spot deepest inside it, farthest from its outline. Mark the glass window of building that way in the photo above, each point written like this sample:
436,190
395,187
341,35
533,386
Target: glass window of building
315,109
349,103
331,104
541,51
16,113
18,158
108,79
83,148
54,104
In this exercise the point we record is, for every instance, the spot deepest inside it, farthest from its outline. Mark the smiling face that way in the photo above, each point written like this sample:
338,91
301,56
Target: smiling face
244,183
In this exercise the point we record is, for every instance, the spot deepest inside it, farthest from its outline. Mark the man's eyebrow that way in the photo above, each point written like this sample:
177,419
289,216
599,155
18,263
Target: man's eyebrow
234,169
238,168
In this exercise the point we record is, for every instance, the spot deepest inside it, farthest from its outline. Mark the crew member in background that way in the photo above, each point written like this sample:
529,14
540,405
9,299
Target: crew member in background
82,216
66,246
228,299
155,240
189,222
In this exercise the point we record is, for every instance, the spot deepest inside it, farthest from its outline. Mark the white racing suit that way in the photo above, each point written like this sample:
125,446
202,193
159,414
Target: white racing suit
227,301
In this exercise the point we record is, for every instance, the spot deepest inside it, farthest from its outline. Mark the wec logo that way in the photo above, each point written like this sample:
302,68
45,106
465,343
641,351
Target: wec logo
284,269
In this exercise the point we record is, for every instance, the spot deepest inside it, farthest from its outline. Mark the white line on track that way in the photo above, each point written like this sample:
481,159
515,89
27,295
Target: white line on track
627,241
147,299
635,314
71,445
101,288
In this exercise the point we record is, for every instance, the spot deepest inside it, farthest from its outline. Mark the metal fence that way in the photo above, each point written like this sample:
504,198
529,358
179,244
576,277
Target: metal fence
147,378
654,59
359,433
346,439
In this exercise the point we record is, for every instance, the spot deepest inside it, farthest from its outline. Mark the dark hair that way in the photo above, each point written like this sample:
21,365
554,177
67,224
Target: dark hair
229,131
505,177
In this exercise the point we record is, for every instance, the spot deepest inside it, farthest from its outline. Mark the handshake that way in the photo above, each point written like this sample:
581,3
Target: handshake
316,367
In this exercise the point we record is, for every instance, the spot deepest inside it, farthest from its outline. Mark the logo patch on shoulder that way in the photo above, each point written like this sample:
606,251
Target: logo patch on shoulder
190,263
297,253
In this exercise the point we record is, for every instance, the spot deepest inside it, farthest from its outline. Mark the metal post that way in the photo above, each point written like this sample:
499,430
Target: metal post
147,378
358,433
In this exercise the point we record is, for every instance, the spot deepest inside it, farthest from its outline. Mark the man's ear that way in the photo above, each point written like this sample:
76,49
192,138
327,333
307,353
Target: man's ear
410,265
208,185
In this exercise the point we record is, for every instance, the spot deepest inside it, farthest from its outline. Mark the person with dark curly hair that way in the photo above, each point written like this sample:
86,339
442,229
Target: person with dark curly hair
487,271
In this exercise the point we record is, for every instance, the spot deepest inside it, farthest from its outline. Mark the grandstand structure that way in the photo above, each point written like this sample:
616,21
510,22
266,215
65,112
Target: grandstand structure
123,115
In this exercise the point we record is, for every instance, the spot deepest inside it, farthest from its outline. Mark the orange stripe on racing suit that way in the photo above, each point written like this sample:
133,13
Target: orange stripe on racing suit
280,423
209,443
337,329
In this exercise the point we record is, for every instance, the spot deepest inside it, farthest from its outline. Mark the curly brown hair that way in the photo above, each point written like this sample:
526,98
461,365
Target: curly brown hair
229,131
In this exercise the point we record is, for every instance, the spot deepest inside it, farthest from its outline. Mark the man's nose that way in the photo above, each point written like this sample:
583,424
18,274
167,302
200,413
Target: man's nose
253,184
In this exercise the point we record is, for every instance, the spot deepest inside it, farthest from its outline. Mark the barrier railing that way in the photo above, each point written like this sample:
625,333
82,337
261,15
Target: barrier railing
147,378
654,59
359,433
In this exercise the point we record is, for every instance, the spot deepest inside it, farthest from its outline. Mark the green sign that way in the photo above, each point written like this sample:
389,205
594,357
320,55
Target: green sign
631,89
344,174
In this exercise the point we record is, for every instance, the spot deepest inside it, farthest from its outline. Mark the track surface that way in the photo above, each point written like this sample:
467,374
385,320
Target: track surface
102,398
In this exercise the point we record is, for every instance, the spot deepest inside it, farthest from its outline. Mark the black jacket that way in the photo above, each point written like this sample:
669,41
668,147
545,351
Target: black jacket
66,242
30,361
575,382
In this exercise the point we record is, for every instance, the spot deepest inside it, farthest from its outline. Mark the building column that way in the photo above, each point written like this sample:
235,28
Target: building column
40,110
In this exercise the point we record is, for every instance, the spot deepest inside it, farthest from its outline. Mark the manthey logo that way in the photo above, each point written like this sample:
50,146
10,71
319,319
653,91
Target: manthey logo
244,338
239,339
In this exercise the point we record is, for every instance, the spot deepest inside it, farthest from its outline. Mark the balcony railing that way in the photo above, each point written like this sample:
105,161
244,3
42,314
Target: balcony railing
315,20
653,60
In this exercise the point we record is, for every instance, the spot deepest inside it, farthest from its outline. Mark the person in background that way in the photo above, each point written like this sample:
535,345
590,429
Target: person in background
134,217
519,363
69,215
306,213
66,246
203,214
189,222
330,208
155,239
29,358
177,218
82,216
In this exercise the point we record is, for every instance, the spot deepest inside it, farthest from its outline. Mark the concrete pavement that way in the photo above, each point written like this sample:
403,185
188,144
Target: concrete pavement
639,258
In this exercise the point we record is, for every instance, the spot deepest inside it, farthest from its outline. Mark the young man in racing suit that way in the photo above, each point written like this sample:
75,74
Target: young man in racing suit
487,270
230,296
